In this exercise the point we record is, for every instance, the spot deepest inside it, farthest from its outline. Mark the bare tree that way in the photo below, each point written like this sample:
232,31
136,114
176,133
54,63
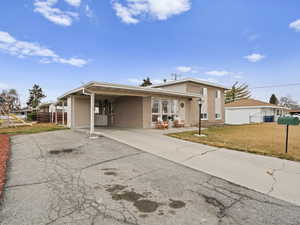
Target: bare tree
9,100
288,102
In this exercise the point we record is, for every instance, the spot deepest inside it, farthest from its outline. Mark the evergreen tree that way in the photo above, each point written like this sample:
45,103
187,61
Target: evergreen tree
146,82
35,96
237,92
274,100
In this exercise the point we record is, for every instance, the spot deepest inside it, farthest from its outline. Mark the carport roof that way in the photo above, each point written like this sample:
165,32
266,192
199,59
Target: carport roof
134,89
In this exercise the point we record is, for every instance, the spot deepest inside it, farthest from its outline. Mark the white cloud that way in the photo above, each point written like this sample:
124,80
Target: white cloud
218,73
22,49
75,3
184,69
295,25
126,14
72,61
135,10
255,57
55,15
88,12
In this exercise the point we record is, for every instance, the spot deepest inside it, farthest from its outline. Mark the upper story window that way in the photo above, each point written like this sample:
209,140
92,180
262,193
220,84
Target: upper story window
218,94
202,91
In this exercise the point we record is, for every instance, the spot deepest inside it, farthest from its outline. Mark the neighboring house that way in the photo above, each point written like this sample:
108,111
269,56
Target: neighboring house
50,107
246,111
114,105
294,112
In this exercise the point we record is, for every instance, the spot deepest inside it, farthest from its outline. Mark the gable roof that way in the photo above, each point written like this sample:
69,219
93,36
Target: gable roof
250,103
193,80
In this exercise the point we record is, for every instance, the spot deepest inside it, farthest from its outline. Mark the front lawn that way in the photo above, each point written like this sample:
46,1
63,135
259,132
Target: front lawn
265,139
35,128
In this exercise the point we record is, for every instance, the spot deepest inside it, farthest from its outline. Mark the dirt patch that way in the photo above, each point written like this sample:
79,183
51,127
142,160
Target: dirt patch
130,196
176,204
4,151
146,206
114,188
110,173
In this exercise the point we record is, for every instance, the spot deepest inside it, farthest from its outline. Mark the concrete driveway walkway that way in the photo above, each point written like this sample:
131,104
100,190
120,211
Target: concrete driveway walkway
275,177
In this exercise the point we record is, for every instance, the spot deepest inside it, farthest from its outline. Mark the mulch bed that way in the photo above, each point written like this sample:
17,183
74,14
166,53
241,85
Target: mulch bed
4,152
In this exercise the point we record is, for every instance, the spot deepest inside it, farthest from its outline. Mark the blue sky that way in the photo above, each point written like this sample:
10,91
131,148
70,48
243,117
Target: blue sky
61,44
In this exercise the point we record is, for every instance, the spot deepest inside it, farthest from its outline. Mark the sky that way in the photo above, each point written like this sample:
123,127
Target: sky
61,44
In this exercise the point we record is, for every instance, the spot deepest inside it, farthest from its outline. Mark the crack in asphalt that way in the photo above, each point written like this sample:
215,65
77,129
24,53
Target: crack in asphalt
110,160
245,196
272,174
26,184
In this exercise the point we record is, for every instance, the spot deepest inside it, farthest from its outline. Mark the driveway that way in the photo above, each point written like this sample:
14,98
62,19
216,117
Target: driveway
275,177
64,177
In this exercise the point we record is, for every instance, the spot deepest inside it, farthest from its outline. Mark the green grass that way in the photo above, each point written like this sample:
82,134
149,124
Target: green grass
265,139
35,128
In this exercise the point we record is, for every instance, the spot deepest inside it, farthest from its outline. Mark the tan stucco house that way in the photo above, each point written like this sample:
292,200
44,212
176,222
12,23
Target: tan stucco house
113,105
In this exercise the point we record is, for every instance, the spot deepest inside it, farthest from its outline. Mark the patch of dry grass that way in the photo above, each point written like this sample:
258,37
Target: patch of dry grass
35,128
265,139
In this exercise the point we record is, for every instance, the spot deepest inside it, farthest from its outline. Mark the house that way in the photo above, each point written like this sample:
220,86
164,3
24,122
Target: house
246,111
50,107
115,105
294,112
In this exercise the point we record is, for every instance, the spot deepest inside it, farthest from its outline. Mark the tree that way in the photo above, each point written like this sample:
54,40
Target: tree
273,99
146,82
10,100
237,92
35,96
288,102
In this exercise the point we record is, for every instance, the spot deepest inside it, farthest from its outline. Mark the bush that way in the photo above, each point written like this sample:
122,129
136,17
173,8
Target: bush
32,116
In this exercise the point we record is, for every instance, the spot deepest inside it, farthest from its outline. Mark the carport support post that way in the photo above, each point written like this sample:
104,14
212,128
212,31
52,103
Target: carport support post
287,139
92,122
56,120
63,112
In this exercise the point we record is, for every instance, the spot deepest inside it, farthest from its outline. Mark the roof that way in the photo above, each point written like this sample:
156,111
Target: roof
250,103
121,87
294,111
193,80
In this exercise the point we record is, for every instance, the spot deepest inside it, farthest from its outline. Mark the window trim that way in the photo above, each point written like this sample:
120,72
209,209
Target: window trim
218,118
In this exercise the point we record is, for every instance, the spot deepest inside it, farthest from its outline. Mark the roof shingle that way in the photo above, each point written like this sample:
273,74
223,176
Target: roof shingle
248,103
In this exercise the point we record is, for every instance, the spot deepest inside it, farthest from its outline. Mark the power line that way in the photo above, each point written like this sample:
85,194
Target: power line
275,86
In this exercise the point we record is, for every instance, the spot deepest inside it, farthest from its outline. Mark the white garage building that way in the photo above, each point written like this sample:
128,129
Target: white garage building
246,111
